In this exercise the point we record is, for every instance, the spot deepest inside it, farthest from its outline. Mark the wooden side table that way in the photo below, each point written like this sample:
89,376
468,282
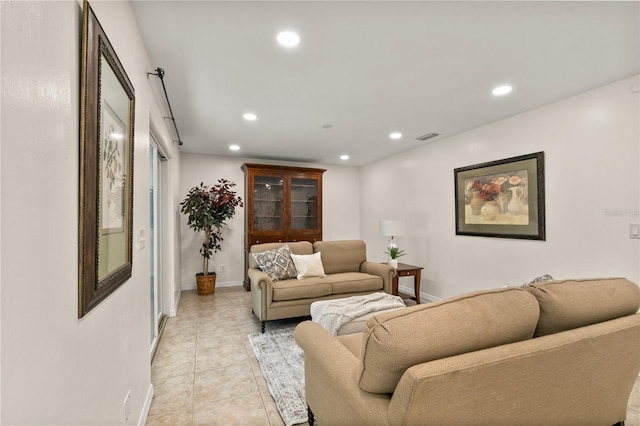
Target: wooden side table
405,270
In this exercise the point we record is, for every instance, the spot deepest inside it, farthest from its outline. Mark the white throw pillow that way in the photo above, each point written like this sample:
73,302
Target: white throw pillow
308,265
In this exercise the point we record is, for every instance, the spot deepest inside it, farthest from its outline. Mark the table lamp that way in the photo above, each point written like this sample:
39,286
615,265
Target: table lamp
391,228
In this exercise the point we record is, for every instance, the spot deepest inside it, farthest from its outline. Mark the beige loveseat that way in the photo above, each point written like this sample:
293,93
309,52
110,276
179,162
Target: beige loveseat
555,353
348,273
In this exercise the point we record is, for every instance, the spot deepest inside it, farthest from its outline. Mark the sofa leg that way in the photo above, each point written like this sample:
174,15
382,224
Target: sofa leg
262,325
312,418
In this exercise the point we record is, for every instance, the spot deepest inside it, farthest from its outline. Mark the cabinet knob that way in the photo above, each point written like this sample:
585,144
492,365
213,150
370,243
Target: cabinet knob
257,241
279,241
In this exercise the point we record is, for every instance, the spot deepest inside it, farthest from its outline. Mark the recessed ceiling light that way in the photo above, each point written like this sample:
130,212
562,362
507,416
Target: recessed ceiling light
501,90
395,135
234,147
288,38
249,116
344,157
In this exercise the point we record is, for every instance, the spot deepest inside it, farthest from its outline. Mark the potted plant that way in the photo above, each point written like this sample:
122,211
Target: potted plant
207,207
394,253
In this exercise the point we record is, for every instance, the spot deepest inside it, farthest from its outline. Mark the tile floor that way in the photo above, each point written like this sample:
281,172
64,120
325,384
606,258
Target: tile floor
204,371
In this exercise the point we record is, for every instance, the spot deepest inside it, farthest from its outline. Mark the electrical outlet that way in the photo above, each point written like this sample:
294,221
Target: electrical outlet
634,230
126,407
223,268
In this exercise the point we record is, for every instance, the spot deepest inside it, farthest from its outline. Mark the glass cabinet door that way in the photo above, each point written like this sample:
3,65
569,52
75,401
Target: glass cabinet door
304,204
267,203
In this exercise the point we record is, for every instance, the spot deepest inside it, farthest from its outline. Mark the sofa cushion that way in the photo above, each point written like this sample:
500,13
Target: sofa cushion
308,265
569,304
353,341
276,263
394,341
299,247
309,288
354,282
341,256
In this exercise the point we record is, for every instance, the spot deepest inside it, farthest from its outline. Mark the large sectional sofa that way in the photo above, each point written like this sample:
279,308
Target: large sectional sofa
348,273
553,353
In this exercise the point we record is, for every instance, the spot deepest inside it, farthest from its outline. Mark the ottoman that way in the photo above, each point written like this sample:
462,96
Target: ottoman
349,315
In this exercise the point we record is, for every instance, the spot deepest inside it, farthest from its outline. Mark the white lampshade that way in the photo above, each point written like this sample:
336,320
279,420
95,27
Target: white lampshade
391,227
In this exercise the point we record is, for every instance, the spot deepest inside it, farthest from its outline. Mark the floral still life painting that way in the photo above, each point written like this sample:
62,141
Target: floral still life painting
503,198
500,198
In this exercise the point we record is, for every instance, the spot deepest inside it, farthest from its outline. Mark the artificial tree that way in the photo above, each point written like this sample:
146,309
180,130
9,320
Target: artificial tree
207,208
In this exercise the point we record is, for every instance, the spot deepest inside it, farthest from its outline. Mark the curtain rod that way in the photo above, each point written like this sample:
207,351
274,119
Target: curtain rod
160,74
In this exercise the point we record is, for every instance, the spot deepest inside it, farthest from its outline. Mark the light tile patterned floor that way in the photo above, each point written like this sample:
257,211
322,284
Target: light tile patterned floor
204,371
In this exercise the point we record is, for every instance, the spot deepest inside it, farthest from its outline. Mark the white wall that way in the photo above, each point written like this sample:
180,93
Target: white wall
56,368
340,212
591,146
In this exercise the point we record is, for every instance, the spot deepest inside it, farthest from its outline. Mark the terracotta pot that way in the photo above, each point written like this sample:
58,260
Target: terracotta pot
475,203
206,283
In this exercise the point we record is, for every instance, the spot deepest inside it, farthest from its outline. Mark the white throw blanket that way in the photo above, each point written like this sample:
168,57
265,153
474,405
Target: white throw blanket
333,314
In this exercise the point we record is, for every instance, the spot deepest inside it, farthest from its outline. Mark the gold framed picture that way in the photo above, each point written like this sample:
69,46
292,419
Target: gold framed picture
106,168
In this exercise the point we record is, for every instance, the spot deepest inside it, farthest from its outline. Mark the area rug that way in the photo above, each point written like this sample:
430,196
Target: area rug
282,364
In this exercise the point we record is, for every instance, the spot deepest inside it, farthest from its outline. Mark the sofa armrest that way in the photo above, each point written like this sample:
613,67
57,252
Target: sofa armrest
331,380
259,279
382,270
260,285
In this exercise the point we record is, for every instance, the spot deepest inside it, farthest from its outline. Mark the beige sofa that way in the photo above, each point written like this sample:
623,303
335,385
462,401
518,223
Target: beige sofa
555,353
348,274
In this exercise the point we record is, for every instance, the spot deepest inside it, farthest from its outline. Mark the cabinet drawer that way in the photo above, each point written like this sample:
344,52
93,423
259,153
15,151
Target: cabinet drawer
261,239
312,238
406,273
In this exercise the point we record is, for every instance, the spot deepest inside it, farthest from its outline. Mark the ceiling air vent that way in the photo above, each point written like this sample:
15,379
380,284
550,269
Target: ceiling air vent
427,136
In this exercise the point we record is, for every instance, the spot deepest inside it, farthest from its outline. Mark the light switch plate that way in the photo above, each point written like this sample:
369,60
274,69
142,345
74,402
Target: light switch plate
141,239
634,230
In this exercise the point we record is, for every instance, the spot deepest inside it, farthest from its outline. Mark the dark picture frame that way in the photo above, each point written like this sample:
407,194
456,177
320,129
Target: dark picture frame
502,199
105,258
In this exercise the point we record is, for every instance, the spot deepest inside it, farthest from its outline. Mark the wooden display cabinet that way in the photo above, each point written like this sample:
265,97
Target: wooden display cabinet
281,204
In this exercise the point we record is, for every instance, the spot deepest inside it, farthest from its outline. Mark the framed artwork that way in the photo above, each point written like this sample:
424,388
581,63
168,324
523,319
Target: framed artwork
106,169
112,166
503,199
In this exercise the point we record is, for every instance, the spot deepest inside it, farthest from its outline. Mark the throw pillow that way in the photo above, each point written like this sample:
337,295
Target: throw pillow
277,264
308,265
541,279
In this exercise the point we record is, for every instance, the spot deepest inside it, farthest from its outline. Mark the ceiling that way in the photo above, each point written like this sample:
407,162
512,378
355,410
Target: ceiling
365,69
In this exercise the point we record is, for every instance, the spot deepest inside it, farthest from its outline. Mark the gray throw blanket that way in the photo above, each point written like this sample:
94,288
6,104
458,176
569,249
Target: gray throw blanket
333,314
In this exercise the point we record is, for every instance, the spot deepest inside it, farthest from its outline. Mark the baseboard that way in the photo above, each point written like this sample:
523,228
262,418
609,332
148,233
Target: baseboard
406,289
146,407
193,286
174,310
